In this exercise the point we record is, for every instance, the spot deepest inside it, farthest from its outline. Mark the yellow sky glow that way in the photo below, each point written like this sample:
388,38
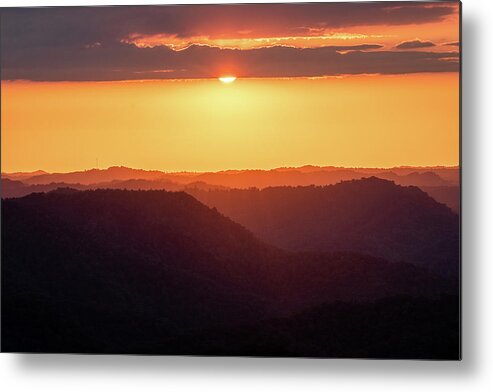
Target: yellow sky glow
198,125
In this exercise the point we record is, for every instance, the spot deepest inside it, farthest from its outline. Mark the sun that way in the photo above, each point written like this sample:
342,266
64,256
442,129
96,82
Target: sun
227,79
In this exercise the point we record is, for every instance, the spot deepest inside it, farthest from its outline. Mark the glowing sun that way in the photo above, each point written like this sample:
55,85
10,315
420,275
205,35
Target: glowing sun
227,79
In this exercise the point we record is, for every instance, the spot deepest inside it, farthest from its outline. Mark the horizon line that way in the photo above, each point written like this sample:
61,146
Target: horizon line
457,166
238,78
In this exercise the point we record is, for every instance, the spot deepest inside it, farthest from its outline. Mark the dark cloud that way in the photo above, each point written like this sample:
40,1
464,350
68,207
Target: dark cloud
415,44
457,43
85,43
70,25
125,62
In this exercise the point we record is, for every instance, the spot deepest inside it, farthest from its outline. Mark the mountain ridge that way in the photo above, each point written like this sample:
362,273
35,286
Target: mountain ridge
116,270
371,215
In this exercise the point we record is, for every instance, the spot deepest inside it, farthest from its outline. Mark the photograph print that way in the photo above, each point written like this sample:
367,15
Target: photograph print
264,180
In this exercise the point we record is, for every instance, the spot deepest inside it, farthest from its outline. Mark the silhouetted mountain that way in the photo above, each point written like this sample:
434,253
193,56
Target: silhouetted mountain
448,195
93,176
12,188
390,328
163,184
284,176
22,175
269,178
371,216
121,271
417,179
138,184
314,175
450,174
133,179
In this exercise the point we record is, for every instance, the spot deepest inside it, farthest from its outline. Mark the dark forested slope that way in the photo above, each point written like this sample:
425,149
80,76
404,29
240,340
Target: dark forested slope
371,216
122,271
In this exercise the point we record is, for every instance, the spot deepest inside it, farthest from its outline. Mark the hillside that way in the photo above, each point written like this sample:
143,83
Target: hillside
448,195
371,216
91,176
115,271
16,188
390,328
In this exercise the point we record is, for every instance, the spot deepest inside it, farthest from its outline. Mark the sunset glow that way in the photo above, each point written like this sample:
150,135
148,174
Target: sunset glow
380,89
200,125
227,79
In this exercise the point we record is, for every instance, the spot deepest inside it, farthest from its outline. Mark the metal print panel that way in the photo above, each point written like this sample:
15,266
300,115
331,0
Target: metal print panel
232,180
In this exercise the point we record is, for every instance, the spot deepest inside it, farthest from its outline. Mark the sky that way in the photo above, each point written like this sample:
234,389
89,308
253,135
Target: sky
363,84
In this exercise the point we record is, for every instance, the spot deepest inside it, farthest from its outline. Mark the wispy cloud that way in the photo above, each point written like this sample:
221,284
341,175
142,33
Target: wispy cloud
415,44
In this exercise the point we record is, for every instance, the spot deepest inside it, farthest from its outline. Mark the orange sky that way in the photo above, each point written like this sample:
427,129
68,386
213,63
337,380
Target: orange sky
439,32
201,125
322,84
